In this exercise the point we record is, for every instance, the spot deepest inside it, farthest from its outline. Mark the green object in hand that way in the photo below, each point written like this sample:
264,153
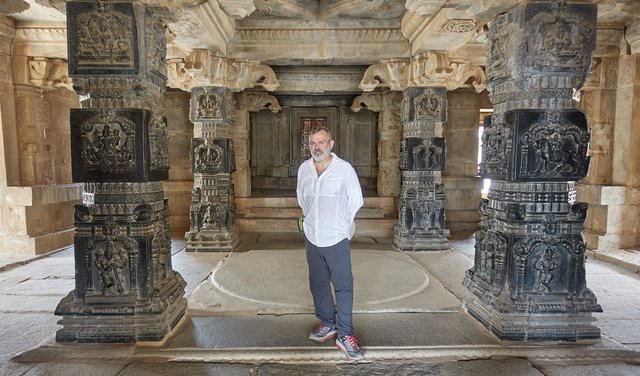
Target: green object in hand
300,224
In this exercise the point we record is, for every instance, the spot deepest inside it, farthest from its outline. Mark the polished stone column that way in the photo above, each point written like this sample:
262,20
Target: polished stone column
125,287
213,225
528,279
421,224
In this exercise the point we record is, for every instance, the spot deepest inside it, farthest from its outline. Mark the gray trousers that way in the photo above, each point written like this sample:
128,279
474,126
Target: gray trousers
332,266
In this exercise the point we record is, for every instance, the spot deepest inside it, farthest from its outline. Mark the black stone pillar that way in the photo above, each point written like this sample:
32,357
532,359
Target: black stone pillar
528,279
213,211
421,226
126,289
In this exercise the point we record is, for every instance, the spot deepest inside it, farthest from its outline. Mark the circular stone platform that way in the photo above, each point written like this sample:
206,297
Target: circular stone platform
276,281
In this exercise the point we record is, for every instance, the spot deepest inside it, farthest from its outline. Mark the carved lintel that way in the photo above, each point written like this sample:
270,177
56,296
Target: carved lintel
257,102
427,69
206,68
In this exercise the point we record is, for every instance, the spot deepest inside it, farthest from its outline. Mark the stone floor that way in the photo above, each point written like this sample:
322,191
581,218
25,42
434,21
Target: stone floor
448,342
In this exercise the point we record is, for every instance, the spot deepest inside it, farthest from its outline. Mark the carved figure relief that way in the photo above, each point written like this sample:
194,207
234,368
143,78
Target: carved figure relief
209,105
208,156
560,39
428,105
422,212
426,154
546,266
159,142
496,146
108,141
554,147
110,255
105,37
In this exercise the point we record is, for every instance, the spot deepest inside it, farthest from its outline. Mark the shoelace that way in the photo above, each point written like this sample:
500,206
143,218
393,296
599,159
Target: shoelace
351,341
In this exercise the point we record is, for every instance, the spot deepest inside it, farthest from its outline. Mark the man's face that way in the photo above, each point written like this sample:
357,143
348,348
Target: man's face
320,146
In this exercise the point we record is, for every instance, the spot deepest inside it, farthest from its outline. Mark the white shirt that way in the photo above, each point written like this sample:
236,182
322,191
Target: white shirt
329,202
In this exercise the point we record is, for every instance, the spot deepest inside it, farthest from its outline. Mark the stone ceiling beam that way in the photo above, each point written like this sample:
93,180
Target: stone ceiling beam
307,12
318,47
335,9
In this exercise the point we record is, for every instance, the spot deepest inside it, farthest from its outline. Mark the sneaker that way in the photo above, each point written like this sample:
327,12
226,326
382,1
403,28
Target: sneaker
323,333
350,348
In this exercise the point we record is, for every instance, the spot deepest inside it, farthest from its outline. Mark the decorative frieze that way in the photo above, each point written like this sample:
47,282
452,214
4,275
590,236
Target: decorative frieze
45,72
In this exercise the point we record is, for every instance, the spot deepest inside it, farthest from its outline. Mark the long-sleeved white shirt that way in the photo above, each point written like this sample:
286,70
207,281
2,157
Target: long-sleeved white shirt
329,202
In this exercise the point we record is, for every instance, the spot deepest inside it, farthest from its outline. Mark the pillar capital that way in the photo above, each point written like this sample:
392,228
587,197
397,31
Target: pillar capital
257,102
433,68
206,68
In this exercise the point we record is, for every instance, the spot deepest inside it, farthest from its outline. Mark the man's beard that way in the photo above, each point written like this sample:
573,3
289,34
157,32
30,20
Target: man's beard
321,156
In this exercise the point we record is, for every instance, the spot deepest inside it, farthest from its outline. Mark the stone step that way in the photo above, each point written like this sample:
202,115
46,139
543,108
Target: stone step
376,227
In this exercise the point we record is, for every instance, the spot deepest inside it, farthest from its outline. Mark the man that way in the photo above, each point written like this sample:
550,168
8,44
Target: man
329,194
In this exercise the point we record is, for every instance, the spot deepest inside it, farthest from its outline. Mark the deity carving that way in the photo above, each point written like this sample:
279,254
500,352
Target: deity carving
546,266
560,40
108,141
427,105
209,105
110,255
104,37
207,156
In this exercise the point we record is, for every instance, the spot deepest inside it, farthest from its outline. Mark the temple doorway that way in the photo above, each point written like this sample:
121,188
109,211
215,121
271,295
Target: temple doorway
279,142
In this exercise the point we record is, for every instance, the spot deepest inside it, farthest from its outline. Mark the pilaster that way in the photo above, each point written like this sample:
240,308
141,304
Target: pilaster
389,137
125,287
528,279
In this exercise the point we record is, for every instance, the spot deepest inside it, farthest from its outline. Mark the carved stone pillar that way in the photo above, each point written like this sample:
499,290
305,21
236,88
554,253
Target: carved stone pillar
424,80
211,80
389,136
126,289
421,226
240,135
213,210
528,279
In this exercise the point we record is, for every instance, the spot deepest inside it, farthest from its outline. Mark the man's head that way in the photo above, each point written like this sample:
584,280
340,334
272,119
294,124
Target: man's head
320,143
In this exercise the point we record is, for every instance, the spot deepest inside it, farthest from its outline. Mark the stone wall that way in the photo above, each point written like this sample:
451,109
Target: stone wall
36,194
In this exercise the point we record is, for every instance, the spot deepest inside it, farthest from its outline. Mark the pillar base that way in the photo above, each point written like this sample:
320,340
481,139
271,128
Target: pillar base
548,317
212,241
436,240
124,318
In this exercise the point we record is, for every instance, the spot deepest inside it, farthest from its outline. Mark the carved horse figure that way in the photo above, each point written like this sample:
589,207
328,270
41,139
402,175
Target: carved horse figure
562,153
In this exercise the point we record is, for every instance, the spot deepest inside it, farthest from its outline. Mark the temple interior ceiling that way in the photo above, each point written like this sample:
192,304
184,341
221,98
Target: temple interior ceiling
321,32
